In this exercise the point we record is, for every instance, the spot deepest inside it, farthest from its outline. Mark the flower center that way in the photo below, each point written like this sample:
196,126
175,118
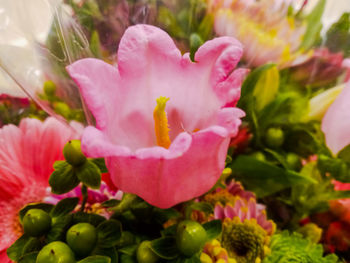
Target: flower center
245,241
161,125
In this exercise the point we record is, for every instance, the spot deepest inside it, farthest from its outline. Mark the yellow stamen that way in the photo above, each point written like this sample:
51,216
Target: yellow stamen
161,126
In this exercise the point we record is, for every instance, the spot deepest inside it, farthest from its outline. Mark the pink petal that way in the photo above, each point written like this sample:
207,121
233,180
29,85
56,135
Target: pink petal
98,79
219,212
170,173
4,258
229,212
336,122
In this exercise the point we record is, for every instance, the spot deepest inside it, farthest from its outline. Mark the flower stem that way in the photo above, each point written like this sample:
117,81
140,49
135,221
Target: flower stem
84,193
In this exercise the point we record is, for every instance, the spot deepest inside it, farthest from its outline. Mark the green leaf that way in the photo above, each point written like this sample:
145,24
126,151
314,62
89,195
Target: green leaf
205,29
93,219
63,179
344,154
163,215
213,229
314,25
124,258
100,162
95,259
46,207
335,166
195,42
266,87
59,228
264,178
28,258
111,253
95,44
110,203
338,36
32,245
15,251
129,250
251,81
89,174
169,231
165,248
109,233
64,207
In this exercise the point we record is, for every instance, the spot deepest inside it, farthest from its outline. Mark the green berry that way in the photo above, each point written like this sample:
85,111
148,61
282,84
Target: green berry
190,237
82,238
56,252
36,222
49,88
259,156
73,154
144,253
62,109
293,161
274,137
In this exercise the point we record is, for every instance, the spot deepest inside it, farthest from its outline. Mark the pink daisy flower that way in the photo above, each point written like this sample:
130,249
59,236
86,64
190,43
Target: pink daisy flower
27,154
245,210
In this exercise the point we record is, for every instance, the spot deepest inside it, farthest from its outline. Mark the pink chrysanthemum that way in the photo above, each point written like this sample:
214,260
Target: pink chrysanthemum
27,154
245,210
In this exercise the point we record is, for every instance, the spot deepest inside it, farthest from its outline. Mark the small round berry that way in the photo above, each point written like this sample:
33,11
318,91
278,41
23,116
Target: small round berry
73,154
56,252
190,237
36,222
144,253
274,137
82,238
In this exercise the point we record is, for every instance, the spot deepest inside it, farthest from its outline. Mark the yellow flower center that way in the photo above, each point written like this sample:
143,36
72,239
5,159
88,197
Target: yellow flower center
161,125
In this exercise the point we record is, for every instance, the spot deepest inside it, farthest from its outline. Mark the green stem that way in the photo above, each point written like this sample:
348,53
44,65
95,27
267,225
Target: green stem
84,192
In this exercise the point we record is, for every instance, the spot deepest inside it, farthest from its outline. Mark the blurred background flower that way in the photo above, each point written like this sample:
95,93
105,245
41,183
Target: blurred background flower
266,29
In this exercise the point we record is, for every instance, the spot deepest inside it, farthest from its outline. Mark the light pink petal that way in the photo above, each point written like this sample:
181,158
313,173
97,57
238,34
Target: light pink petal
336,122
230,119
96,80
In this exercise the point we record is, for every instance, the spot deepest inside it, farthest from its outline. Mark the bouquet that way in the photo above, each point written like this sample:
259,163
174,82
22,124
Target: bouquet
174,131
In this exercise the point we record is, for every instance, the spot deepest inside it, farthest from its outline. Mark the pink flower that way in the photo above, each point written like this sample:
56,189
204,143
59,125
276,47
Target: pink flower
321,69
245,210
27,154
336,122
200,113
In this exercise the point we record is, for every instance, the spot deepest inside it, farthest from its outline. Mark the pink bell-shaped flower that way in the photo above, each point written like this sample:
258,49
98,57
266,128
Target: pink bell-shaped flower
170,152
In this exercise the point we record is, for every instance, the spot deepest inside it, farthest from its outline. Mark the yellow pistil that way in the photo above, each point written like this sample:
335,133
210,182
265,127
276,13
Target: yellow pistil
161,126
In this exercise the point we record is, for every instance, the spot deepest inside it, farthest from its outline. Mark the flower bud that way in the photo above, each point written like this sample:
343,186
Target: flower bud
73,154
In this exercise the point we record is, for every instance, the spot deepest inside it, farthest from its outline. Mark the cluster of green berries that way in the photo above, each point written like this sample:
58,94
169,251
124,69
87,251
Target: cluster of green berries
81,238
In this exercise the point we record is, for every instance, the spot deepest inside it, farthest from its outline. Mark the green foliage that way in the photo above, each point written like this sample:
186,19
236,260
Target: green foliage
189,22
314,25
66,176
287,247
338,36
307,199
264,178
